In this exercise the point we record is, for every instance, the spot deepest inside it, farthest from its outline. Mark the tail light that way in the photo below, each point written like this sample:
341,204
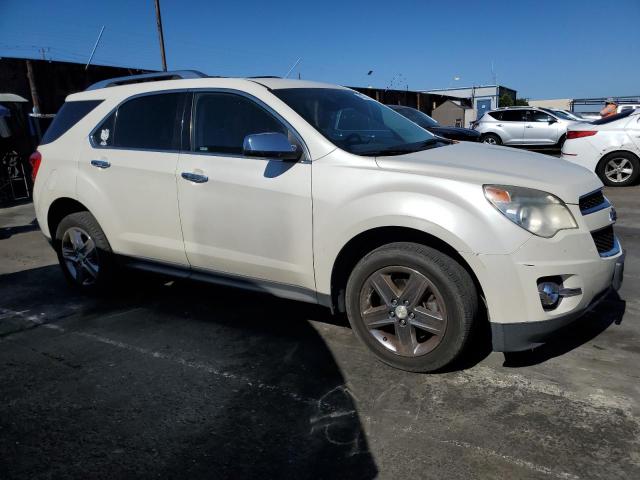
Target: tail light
580,133
35,160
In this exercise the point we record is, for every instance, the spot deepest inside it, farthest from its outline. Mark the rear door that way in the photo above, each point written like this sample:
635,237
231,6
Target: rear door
633,130
540,128
127,174
512,124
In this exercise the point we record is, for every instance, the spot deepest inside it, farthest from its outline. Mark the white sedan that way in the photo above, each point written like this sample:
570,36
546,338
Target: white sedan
609,146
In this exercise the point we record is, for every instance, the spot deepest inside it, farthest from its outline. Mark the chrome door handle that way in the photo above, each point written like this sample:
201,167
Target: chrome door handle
100,164
194,177
499,125
528,126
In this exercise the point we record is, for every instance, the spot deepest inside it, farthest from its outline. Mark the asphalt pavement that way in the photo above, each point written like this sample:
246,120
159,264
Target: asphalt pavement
175,379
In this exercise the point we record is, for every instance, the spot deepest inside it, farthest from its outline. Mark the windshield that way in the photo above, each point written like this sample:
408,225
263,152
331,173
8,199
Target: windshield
612,118
355,122
416,116
563,115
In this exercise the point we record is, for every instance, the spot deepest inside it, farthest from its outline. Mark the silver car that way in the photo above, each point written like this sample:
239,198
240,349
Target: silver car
523,126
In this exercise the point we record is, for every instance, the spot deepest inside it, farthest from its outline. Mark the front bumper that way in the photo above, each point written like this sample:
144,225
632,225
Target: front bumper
509,282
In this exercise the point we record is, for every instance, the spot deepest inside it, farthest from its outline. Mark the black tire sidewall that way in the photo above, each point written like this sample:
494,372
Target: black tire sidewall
635,162
89,224
492,135
456,288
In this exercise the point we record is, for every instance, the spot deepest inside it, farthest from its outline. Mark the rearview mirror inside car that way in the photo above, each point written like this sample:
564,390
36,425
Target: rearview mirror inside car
270,145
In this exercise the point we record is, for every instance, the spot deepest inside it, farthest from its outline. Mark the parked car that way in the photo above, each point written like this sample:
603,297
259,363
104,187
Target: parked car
567,115
531,126
428,123
623,107
317,193
609,146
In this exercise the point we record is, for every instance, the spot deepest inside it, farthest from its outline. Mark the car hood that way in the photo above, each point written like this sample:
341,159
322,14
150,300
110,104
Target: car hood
485,164
442,130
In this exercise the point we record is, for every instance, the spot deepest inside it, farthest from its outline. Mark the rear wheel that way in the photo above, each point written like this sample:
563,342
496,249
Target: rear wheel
619,169
84,252
491,139
412,305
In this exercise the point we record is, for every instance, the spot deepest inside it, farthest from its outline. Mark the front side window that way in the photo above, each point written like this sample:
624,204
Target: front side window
538,116
418,117
355,122
150,122
223,120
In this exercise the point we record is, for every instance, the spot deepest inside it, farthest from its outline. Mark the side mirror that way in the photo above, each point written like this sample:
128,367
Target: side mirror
270,145
552,121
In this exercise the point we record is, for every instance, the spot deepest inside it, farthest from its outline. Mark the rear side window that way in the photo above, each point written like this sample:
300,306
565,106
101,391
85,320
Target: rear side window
151,122
513,115
70,114
496,115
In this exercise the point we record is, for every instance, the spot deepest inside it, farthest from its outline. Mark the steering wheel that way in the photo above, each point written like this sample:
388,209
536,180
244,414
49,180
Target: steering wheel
353,139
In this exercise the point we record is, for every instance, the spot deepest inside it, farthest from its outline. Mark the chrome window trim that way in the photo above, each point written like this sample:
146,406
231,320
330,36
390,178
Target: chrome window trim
115,110
306,158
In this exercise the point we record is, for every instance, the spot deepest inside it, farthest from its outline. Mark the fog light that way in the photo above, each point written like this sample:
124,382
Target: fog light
549,294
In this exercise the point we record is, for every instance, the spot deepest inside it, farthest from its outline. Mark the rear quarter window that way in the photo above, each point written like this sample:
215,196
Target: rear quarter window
70,114
495,115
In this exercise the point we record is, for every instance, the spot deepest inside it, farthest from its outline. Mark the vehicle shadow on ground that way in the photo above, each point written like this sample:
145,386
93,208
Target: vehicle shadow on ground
8,232
247,389
609,311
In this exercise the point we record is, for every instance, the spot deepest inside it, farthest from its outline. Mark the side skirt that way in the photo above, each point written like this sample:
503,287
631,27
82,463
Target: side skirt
291,292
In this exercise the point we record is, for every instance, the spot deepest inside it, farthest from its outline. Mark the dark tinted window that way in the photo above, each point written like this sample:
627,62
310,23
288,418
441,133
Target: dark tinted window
150,122
222,121
496,115
70,114
538,116
513,115
418,117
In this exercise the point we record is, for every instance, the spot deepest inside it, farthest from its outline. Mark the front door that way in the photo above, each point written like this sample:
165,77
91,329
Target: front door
127,175
540,129
245,216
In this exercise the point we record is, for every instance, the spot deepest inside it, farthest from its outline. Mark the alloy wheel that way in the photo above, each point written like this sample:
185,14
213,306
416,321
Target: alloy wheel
490,141
618,169
403,310
80,256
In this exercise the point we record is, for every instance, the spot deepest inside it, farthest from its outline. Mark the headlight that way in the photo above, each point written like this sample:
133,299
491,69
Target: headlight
538,212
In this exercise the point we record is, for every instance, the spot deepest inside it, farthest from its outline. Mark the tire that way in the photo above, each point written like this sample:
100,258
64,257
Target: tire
619,169
394,331
560,143
89,268
491,139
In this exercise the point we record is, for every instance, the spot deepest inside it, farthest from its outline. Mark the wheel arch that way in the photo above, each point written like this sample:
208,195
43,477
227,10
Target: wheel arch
60,208
367,241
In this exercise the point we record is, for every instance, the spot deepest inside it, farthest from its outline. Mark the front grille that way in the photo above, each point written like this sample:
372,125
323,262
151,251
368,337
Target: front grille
604,239
593,202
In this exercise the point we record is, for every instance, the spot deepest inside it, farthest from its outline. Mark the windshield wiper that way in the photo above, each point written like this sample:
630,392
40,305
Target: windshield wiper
400,150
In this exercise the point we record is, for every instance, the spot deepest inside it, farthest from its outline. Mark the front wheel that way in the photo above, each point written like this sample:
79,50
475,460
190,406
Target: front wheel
84,252
491,139
412,306
619,169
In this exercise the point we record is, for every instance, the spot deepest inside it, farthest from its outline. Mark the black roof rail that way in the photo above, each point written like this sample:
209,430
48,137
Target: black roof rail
147,77
265,76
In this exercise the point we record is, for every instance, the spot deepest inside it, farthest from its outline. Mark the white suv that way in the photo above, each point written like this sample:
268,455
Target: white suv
530,126
317,193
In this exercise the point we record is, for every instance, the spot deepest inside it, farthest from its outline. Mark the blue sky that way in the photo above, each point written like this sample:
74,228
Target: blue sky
543,49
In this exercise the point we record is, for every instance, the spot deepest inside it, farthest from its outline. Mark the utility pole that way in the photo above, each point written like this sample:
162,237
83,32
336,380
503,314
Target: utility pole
32,86
161,36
